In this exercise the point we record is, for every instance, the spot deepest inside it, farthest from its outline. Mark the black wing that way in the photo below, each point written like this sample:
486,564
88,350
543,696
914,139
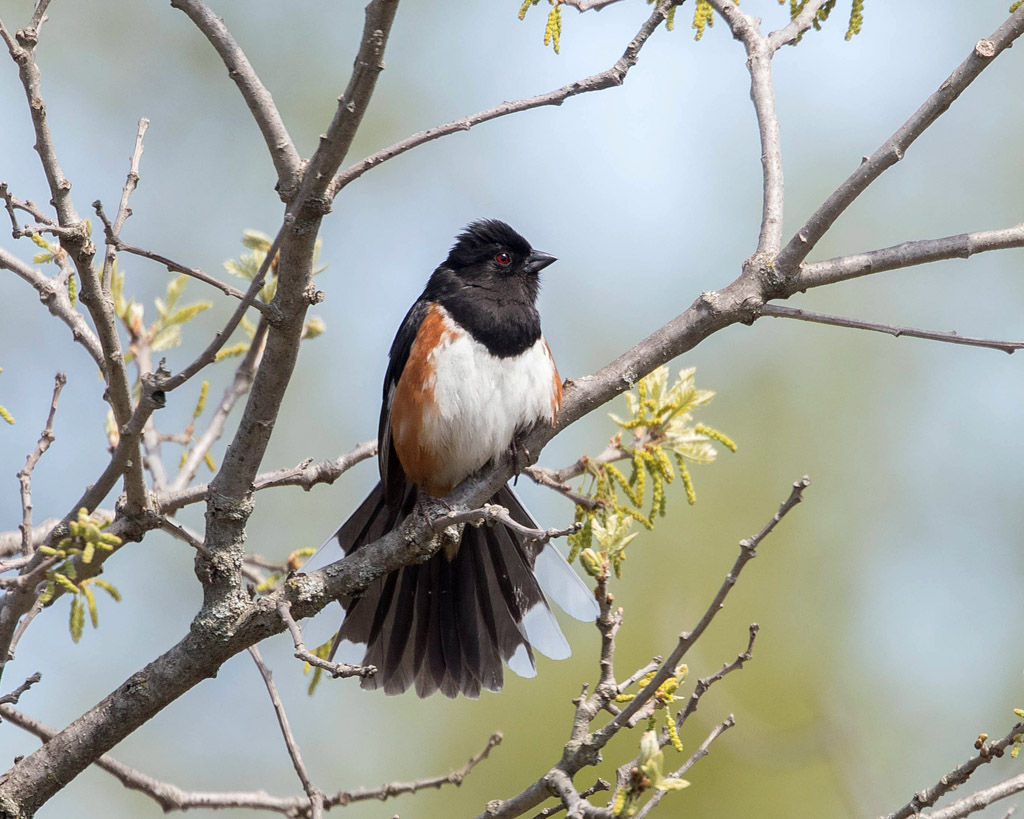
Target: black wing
392,476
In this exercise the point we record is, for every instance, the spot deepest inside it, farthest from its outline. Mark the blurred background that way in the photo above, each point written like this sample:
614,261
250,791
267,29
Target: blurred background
889,602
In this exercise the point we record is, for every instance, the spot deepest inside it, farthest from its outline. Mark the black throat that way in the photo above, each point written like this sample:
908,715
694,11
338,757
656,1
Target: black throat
506,323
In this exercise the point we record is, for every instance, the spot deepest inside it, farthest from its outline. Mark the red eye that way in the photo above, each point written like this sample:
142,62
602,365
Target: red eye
503,259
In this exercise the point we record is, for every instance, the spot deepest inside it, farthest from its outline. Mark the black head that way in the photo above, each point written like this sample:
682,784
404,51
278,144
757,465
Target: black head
489,284
490,249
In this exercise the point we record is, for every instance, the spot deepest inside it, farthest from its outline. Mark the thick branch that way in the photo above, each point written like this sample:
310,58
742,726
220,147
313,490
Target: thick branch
980,799
908,254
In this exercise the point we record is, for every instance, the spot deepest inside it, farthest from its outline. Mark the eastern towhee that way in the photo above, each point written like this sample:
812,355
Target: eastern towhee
469,371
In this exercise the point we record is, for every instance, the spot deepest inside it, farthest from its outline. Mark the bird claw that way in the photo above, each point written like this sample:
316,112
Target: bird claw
520,456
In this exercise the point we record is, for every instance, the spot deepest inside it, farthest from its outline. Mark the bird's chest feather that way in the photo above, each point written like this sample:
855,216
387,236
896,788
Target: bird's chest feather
480,401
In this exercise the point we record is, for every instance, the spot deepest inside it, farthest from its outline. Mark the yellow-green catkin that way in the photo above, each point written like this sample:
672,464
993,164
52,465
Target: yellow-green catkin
714,434
703,16
76,622
673,734
526,7
201,402
857,18
684,473
553,29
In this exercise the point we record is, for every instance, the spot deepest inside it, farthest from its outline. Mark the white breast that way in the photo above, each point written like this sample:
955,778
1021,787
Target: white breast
483,401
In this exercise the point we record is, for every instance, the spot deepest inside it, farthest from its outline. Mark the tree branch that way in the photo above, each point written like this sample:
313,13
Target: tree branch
335,669
779,311
610,78
240,385
316,796
760,50
583,749
287,162
193,272
75,239
307,475
492,512
959,775
25,474
15,695
123,211
701,752
54,295
908,254
980,799
894,148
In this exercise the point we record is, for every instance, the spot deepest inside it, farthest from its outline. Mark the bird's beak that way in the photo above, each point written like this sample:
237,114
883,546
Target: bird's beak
538,260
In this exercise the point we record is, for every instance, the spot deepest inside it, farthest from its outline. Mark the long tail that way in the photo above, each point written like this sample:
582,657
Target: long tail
449,624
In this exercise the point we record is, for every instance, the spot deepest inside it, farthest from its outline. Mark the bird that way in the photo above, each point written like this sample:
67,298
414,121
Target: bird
469,372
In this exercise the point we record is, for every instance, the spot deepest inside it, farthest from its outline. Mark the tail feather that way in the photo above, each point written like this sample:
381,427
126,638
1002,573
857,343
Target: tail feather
400,628
449,623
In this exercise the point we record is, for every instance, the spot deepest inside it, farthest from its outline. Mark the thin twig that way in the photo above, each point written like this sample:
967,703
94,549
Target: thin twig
55,296
283,154
392,789
493,513
704,683
13,697
193,272
307,475
209,355
701,752
895,148
316,796
169,797
127,451
952,337
240,384
987,751
759,64
123,211
337,669
79,246
30,615
584,747
791,32
609,78
25,474
748,550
